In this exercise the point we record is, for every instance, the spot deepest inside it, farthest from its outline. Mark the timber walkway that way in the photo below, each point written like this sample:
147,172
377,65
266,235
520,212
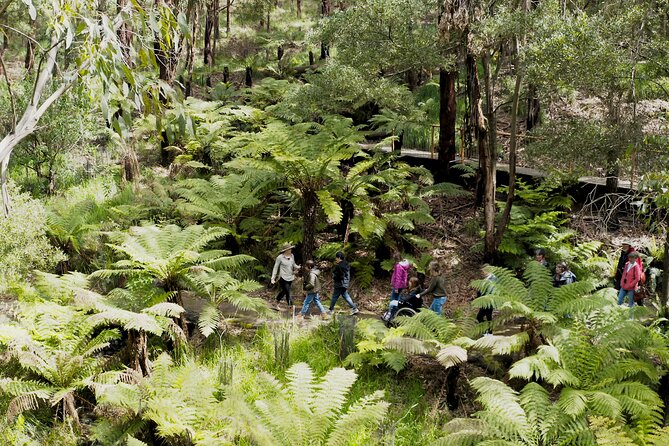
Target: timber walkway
422,157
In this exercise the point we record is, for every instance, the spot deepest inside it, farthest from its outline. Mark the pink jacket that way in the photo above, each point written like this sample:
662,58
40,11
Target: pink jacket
631,276
400,274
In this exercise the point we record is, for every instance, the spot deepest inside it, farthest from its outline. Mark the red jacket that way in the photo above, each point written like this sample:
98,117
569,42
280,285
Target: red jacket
631,276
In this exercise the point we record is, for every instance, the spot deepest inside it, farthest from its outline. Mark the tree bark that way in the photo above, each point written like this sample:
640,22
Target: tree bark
70,409
310,201
487,158
166,57
31,116
249,77
664,296
124,32
326,8
227,17
299,9
208,31
138,344
29,60
447,119
513,143
533,108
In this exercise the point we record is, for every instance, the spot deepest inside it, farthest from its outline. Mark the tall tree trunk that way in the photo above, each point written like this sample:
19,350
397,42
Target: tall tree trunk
490,168
513,143
192,17
228,3
612,171
533,108
124,31
299,9
249,77
326,9
208,31
664,296
447,119
166,55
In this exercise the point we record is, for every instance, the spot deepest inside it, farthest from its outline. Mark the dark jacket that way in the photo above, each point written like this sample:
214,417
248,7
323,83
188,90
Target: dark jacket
341,274
437,287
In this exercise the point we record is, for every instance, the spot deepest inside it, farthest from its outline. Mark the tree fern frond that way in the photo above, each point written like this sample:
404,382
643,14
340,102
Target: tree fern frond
331,392
451,355
365,413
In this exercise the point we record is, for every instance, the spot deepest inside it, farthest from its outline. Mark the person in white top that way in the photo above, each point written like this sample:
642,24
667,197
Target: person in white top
284,272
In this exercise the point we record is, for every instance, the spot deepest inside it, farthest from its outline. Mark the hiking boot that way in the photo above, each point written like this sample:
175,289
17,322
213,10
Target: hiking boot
354,311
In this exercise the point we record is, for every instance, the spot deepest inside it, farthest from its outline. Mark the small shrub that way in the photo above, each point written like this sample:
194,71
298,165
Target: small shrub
24,245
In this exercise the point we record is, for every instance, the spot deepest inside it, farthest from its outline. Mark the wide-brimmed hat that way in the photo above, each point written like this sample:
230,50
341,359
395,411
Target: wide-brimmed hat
285,247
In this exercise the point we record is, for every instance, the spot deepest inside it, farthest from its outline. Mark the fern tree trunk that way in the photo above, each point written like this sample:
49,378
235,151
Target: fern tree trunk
309,226
70,409
138,345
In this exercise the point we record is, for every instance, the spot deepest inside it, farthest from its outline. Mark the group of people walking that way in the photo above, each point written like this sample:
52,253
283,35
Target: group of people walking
284,272
406,289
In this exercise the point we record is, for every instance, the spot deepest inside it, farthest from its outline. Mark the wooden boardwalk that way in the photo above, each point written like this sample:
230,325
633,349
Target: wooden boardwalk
623,185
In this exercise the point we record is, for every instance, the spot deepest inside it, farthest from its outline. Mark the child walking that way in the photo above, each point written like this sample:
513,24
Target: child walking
312,285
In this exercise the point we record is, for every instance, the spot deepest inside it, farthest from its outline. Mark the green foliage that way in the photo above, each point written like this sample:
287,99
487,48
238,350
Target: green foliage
24,245
423,334
57,348
306,411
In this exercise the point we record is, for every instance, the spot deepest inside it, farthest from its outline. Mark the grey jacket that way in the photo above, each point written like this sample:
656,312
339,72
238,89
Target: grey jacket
284,267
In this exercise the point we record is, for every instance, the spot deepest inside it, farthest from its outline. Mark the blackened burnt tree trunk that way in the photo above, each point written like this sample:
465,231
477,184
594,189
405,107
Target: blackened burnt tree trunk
447,119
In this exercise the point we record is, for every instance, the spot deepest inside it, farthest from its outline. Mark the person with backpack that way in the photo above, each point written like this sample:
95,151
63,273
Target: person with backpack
342,278
398,281
312,286
437,287
630,279
563,276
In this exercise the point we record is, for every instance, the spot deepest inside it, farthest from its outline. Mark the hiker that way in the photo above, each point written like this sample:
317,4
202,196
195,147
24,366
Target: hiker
629,281
485,313
626,250
437,287
312,285
410,299
284,272
563,276
540,256
398,281
342,278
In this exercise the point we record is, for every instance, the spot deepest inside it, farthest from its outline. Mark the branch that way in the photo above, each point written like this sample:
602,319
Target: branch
11,94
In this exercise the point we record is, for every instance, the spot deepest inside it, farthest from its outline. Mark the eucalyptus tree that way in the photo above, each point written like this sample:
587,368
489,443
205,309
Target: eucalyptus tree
118,76
615,57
